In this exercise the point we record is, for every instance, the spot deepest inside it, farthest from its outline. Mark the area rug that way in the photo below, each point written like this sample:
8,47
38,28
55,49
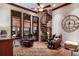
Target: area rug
39,50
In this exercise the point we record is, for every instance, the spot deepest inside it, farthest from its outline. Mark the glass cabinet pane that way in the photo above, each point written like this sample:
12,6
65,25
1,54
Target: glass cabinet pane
15,24
35,27
26,24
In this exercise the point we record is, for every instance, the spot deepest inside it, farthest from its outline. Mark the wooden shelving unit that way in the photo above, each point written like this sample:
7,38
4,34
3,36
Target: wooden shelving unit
15,24
26,24
35,27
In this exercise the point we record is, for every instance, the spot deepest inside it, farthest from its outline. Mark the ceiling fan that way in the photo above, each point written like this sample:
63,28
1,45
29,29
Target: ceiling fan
42,8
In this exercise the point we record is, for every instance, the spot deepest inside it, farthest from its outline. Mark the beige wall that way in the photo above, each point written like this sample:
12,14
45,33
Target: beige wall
5,16
58,15
4,19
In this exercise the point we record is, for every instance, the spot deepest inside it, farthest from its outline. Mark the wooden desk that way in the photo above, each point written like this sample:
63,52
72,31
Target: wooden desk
6,47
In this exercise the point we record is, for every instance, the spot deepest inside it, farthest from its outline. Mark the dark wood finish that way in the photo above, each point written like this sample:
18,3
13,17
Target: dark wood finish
44,21
27,43
22,7
15,14
61,6
35,11
6,47
26,20
35,20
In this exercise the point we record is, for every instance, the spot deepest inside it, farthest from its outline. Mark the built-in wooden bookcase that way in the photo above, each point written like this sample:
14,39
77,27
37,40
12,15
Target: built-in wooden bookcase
35,27
15,24
26,24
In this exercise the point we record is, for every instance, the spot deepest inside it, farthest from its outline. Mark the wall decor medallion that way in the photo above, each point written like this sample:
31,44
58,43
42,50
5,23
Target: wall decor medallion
70,23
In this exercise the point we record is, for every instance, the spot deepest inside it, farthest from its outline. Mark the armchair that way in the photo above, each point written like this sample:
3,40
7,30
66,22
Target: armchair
55,41
27,41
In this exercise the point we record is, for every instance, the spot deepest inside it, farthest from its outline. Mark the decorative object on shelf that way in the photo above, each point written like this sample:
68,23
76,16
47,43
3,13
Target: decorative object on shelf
35,19
26,16
70,23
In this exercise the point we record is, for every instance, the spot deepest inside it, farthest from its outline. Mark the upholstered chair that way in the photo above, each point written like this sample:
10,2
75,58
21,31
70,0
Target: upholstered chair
55,41
27,41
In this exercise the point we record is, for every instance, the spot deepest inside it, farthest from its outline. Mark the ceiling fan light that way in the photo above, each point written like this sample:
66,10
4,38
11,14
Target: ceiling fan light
54,5
40,9
42,6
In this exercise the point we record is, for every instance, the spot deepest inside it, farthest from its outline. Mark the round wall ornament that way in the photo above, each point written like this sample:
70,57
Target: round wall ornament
70,23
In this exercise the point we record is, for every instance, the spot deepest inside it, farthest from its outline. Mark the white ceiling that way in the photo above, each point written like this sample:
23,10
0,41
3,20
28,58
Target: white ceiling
34,6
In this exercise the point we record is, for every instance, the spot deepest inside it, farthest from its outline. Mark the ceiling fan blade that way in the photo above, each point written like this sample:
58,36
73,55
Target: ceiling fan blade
45,10
47,6
38,4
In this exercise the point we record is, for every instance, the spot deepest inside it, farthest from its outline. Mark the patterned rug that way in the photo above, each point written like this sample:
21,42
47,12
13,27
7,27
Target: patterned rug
40,49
